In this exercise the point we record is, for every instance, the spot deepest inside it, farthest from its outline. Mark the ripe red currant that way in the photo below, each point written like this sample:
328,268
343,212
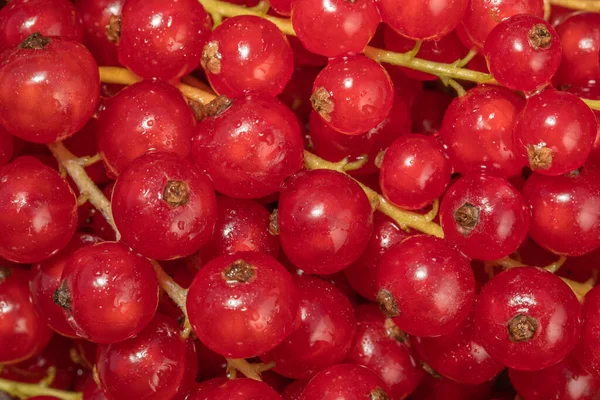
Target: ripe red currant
236,389
96,16
345,381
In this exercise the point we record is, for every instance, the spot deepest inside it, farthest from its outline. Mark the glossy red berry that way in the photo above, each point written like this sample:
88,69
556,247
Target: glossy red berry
414,171
527,318
325,221
237,389
586,352
435,388
21,18
523,52
150,365
353,94
249,148
162,39
294,390
484,216
345,381
247,54
425,286
555,132
282,7
242,305
108,293
422,20
323,336
96,16
164,206
22,331
150,115
39,211
6,146
478,131
58,85
335,28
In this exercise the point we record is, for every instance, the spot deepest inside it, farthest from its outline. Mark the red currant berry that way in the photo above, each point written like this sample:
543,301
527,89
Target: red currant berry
586,351
335,28
243,295
426,286
22,331
294,390
108,293
523,52
149,115
324,334
21,18
414,171
58,85
556,132
249,148
39,211
436,388
150,365
98,16
353,94
325,221
527,318
281,7
484,216
161,39
478,131
422,19
6,146
164,206
345,381
247,54
236,389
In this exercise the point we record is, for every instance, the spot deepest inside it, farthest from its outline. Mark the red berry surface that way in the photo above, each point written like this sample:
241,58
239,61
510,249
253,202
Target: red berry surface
6,146
96,16
586,352
237,389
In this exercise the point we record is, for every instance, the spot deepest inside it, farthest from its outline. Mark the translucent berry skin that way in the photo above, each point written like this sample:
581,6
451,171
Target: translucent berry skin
325,221
586,352
96,16
22,331
565,212
345,382
164,206
6,146
523,52
242,225
458,355
147,366
108,293
483,15
353,94
149,115
414,171
555,132
247,54
478,131
527,318
422,20
238,389
58,86
21,18
335,28
425,286
484,216
250,148
381,347
162,40
39,213
243,295
45,279
323,336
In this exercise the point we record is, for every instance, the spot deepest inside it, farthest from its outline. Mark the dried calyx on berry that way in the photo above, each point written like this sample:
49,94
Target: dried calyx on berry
176,193
387,303
522,328
239,271
35,41
467,217
62,297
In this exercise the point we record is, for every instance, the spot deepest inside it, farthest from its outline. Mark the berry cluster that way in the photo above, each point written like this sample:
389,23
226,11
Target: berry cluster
299,199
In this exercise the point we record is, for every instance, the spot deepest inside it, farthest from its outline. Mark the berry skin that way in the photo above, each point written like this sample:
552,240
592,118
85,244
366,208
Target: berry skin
523,52
478,132
6,146
58,85
96,16
39,213
229,289
325,221
345,382
108,293
484,216
414,171
527,318
586,352
425,286
335,28
353,94
161,39
164,206
247,54
237,389
555,132
22,331
249,148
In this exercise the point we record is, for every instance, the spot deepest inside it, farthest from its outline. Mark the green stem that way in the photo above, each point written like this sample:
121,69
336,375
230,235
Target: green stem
26,390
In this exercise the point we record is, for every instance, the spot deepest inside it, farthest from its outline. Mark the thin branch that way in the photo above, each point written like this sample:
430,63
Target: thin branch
249,370
580,5
26,390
